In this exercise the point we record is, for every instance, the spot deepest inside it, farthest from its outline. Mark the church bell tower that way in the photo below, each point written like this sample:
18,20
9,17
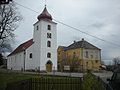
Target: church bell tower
45,42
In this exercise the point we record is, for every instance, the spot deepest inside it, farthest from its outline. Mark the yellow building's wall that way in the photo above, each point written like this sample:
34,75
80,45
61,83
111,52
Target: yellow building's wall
92,65
60,54
70,53
78,56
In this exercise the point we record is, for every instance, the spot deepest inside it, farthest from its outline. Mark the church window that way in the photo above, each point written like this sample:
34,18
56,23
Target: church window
48,35
48,43
30,55
49,27
37,27
48,55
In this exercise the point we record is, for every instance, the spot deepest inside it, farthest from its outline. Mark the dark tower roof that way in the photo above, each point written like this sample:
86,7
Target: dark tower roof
44,15
81,44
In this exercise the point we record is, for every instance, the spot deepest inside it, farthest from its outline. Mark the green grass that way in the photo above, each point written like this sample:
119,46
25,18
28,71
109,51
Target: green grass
9,76
43,80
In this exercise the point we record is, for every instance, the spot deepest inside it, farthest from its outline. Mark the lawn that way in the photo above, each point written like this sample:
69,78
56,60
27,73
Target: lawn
8,77
42,81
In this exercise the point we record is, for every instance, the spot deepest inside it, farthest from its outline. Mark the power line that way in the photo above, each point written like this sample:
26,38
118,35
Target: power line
86,33
26,7
72,27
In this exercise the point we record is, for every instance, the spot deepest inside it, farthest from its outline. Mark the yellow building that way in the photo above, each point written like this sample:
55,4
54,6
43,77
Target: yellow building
79,56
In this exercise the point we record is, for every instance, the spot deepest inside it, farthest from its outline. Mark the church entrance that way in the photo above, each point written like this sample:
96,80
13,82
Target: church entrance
49,65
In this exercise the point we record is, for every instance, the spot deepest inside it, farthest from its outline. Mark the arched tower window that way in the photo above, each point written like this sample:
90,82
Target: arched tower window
48,55
49,27
48,43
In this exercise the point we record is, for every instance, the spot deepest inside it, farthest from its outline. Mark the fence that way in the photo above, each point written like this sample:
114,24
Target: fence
47,83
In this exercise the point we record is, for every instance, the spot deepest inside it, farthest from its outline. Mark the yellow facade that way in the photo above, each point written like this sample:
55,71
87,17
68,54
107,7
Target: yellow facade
77,60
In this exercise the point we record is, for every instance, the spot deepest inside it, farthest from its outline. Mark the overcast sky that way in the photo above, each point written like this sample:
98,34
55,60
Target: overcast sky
100,18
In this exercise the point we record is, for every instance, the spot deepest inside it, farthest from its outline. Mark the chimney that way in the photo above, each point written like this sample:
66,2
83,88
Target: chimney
74,41
82,39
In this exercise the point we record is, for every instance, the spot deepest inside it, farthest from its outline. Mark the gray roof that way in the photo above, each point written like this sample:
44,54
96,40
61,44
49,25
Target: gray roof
62,47
81,44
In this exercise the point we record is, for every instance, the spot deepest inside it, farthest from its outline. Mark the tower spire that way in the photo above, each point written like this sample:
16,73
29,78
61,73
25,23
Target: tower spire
45,3
45,14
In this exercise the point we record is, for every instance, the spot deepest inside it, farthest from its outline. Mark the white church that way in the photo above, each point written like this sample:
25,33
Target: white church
40,52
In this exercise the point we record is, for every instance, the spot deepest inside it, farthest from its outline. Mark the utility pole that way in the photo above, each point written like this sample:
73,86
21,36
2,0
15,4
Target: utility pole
82,55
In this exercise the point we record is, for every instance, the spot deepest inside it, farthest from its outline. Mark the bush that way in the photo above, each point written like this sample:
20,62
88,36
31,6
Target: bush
91,82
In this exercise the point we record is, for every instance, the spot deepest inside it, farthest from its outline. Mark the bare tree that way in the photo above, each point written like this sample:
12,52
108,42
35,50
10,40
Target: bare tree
116,61
9,19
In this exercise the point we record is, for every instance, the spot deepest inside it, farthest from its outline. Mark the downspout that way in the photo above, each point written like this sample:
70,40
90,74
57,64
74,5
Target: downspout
24,60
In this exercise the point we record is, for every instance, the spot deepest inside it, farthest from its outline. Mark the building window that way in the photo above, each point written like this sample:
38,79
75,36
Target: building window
86,53
74,54
48,44
48,55
49,27
91,56
87,63
48,35
30,55
96,61
58,53
37,27
96,56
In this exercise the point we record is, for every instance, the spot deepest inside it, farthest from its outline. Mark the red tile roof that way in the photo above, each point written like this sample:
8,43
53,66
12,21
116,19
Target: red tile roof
22,47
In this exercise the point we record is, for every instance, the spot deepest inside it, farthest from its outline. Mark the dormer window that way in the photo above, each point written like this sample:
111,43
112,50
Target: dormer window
49,27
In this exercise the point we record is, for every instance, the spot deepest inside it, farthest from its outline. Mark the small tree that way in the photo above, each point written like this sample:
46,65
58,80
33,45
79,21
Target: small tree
1,59
116,61
9,19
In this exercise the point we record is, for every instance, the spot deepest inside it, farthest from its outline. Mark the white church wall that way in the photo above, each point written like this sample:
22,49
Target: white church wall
29,61
37,45
44,48
15,62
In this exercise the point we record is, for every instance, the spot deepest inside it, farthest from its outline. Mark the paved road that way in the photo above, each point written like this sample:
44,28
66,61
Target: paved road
104,75
66,74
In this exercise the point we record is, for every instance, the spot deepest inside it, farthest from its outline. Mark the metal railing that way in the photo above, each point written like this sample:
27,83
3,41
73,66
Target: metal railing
47,83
